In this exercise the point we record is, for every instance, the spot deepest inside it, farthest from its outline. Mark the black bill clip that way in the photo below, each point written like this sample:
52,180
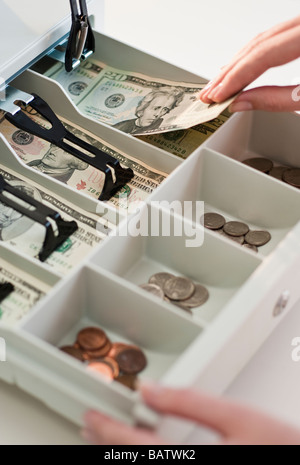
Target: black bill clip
116,176
41,214
81,42
5,290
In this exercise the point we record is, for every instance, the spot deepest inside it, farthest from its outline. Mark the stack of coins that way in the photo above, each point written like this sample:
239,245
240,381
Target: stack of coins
235,230
115,361
284,173
178,290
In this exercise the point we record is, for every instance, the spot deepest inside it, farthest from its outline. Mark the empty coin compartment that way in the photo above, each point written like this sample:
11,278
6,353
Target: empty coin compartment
235,191
275,136
219,266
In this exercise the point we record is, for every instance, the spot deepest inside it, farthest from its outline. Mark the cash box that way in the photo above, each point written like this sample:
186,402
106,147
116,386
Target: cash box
248,291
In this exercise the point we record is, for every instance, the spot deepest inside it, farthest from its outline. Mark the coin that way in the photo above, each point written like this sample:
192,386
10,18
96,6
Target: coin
103,368
239,239
91,338
236,228
153,289
262,164
179,288
181,305
131,360
74,352
98,353
199,297
116,348
129,381
292,177
249,246
160,278
257,238
212,220
277,172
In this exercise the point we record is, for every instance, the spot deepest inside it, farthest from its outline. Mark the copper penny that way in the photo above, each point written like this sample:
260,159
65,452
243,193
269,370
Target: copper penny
74,352
91,338
131,360
116,348
261,164
98,353
128,381
103,368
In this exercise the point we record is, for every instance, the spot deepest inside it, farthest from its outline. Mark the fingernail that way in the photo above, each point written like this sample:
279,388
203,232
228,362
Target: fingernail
215,92
240,106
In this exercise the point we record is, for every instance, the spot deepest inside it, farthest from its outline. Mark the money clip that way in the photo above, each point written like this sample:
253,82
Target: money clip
5,290
115,175
81,42
41,214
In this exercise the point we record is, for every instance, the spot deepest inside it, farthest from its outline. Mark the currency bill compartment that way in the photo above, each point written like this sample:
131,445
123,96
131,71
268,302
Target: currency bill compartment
236,192
88,298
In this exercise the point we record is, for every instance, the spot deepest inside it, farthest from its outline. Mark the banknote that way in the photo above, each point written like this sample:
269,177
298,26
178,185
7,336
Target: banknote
28,290
135,103
184,141
27,236
64,167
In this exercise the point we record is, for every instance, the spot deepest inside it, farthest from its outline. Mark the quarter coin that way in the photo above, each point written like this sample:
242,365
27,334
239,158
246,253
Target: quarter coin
261,164
160,278
257,238
212,220
153,289
292,177
199,297
236,228
179,288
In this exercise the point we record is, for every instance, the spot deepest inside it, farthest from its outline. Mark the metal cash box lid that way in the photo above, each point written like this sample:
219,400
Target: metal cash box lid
29,29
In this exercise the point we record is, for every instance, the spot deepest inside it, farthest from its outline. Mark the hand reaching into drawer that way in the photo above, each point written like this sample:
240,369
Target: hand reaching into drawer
234,423
274,47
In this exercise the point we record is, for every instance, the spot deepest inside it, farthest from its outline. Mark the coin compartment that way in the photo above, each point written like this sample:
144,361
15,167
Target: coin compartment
221,267
236,192
260,134
93,298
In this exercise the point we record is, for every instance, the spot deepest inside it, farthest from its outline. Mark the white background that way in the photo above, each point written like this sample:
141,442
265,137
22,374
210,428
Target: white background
199,36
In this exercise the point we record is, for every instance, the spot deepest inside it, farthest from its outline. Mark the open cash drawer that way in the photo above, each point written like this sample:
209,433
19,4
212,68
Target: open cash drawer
248,292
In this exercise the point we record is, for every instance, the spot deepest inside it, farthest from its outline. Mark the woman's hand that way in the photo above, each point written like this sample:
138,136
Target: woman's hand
235,424
277,46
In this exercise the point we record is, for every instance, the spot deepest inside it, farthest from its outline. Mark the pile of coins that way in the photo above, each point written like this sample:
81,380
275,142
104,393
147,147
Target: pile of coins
284,173
116,361
235,230
178,290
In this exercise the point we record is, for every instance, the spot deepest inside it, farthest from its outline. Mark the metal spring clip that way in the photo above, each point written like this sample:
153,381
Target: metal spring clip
81,42
5,290
41,214
115,175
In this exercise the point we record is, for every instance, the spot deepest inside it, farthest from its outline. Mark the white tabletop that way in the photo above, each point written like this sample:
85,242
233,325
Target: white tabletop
200,37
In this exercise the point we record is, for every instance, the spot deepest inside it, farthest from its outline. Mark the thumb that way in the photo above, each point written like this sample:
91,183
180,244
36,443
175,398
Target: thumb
268,98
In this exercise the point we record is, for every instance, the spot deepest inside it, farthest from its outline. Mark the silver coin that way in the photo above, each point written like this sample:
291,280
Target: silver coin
261,164
182,306
257,238
160,278
212,220
236,228
239,239
292,177
179,288
153,289
199,297
249,246
277,172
